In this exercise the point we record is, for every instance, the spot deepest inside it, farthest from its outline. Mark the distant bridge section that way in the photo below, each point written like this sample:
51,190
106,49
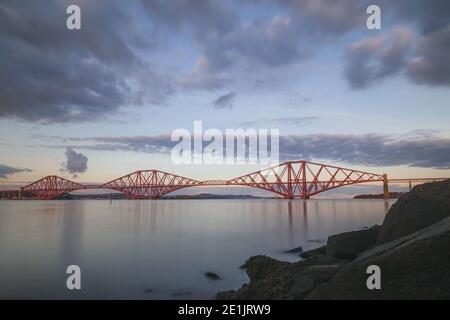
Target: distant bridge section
412,181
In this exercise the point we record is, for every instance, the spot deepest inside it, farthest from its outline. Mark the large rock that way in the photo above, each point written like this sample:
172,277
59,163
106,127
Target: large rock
273,279
416,266
424,205
348,245
313,252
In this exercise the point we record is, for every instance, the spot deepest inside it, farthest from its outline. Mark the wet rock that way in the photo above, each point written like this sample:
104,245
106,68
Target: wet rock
212,276
273,279
348,245
226,295
259,267
313,252
305,281
423,206
321,259
315,240
269,279
295,250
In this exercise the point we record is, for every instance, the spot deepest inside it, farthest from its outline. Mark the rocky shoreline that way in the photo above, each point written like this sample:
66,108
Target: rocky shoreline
411,248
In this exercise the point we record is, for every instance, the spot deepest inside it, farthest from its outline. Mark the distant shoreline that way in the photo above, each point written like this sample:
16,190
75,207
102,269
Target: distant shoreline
121,196
204,196
392,195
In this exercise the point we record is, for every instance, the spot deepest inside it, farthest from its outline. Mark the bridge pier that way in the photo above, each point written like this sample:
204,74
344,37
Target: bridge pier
385,187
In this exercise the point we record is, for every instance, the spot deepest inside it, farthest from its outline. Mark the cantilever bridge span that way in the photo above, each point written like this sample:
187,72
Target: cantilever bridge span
292,179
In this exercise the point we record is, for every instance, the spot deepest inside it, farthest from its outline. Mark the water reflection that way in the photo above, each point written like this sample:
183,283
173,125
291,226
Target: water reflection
156,249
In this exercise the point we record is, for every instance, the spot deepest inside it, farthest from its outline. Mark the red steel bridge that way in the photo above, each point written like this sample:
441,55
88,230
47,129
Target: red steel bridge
292,179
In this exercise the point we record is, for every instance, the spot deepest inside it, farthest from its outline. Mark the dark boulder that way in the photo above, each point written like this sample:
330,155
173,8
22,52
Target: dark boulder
413,267
424,205
320,259
313,252
310,277
259,267
348,245
212,276
273,279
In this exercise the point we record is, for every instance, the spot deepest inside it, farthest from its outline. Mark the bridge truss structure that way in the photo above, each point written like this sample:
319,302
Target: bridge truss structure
292,179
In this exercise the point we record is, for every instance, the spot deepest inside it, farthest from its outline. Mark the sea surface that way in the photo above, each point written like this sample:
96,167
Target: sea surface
139,249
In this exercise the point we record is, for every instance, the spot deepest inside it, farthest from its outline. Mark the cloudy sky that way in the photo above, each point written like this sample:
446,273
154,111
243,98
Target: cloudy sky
100,102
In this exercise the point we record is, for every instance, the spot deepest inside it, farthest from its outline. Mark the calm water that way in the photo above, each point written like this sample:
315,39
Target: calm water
159,249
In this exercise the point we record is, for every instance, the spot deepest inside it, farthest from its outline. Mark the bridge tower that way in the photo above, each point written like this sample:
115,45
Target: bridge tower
385,186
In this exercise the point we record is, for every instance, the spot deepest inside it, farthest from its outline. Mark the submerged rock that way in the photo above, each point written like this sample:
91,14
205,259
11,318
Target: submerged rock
348,244
295,250
212,276
421,207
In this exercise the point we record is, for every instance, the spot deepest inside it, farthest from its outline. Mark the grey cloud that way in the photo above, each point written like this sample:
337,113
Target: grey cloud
51,74
203,76
416,149
374,58
150,144
296,121
225,101
423,58
430,15
270,44
287,37
7,170
76,162
329,17
369,149
225,39
202,17
337,17
431,65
